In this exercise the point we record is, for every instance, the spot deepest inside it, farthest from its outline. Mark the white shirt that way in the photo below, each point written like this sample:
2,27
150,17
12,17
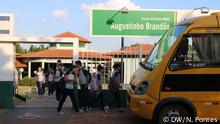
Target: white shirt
40,76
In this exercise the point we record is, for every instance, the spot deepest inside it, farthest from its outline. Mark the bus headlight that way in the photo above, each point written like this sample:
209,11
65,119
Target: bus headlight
142,88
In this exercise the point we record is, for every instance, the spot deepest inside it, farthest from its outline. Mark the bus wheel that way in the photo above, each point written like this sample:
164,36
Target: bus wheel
172,114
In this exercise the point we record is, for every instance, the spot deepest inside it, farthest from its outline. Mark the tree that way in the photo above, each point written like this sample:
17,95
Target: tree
19,49
31,49
37,48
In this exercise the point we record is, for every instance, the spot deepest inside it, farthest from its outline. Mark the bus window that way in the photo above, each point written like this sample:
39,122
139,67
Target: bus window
163,46
198,51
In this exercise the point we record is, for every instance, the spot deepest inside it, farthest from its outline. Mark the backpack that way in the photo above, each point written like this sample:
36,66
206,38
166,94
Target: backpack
87,75
114,85
94,84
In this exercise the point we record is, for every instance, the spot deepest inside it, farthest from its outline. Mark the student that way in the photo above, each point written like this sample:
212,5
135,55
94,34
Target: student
69,90
96,87
40,79
114,86
84,79
50,82
57,80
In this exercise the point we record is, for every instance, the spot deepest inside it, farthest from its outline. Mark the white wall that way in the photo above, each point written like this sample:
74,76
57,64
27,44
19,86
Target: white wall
6,61
69,48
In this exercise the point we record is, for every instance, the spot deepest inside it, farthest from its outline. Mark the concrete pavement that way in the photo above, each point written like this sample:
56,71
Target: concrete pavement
42,110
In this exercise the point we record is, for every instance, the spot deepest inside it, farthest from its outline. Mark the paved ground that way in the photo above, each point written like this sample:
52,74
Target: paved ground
43,111
44,102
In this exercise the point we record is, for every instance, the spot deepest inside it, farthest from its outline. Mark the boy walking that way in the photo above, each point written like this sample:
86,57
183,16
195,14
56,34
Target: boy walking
57,80
69,90
84,79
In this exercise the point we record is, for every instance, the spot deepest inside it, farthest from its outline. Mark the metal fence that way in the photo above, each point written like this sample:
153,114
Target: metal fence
131,60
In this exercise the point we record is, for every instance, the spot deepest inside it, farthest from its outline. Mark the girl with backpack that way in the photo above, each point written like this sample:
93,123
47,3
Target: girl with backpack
114,86
96,87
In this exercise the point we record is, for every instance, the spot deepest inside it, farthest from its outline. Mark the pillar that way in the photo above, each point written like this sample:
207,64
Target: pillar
75,49
42,64
29,68
7,63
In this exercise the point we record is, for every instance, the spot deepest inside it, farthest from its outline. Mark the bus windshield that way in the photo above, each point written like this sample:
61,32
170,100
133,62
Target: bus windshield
162,47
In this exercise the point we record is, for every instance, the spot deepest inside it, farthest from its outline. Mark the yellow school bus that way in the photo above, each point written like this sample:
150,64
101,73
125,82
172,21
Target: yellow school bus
181,76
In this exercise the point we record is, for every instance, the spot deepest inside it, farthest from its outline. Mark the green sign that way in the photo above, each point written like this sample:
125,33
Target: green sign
133,23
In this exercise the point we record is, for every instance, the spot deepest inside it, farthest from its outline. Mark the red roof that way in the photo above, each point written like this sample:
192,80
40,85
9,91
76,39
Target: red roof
61,53
135,50
72,35
19,64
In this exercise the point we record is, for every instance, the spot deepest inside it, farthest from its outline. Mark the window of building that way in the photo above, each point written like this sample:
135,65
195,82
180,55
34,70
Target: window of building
66,45
4,18
4,31
52,45
198,51
82,45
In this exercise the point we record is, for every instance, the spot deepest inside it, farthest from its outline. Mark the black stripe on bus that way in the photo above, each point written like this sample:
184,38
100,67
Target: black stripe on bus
191,82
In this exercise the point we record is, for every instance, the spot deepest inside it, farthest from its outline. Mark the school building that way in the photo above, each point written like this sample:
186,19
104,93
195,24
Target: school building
64,52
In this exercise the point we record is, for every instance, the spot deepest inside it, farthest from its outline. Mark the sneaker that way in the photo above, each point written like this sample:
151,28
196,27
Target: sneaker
90,108
80,111
106,109
61,113
86,109
83,108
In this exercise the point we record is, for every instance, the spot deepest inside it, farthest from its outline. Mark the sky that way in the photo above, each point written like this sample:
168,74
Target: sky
51,17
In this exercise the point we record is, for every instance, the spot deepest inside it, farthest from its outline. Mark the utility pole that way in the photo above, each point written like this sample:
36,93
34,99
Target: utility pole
122,61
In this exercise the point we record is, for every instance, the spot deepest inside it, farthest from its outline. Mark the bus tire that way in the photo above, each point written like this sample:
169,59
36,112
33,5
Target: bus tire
170,113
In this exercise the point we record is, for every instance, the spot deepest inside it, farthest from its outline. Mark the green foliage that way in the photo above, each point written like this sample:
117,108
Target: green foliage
37,48
26,81
19,49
